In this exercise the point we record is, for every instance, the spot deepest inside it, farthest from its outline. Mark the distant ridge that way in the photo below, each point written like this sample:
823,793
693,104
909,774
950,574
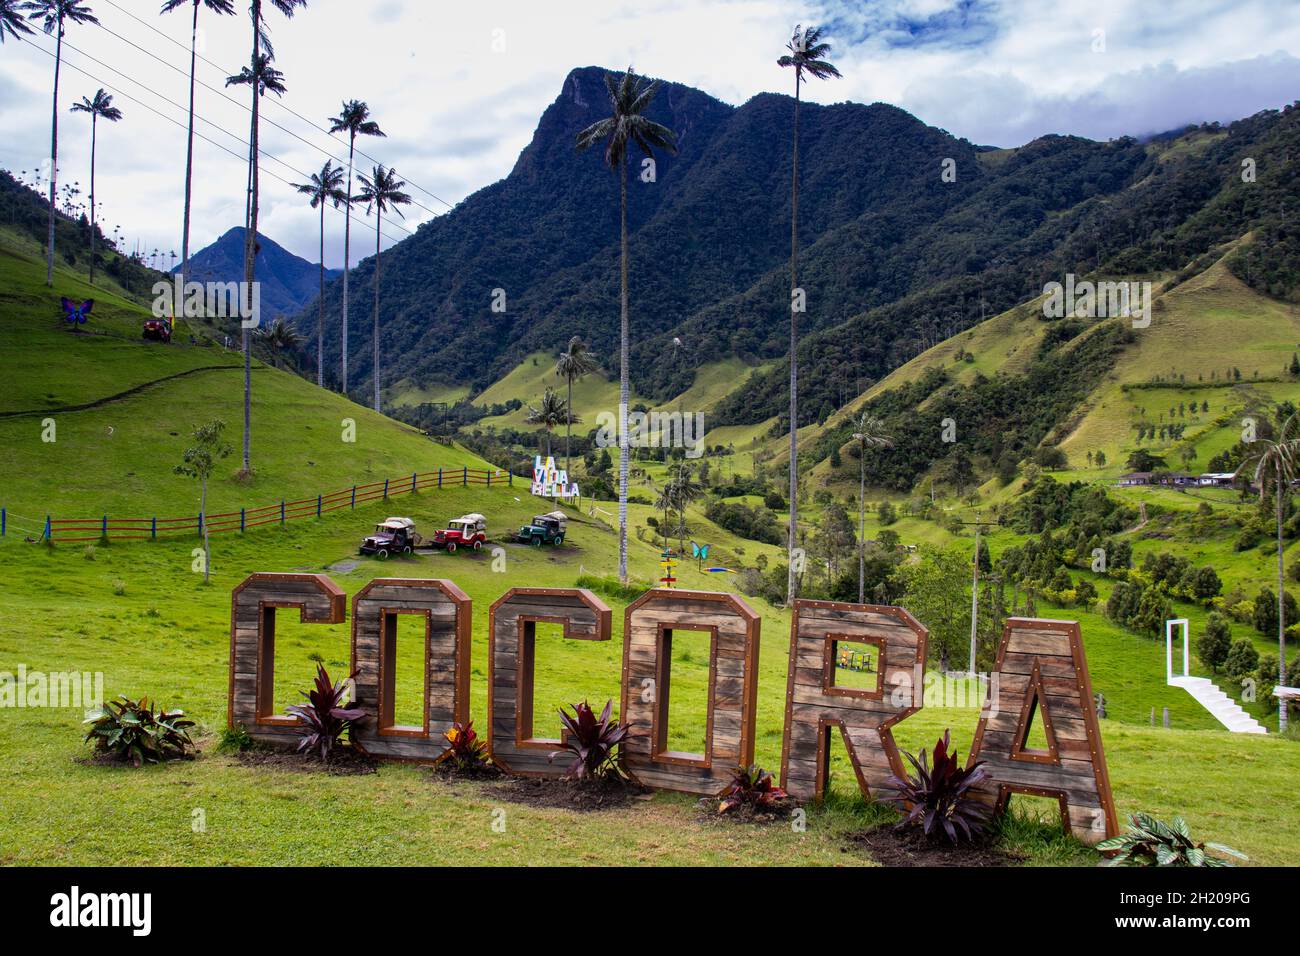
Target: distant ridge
289,282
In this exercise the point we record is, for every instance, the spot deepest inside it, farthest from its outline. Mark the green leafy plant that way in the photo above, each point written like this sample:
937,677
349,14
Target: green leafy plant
1149,842
592,741
942,799
234,739
324,720
465,749
750,786
132,730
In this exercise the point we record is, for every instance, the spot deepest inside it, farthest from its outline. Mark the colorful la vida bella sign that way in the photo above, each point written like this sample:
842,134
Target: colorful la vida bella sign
552,482
1041,675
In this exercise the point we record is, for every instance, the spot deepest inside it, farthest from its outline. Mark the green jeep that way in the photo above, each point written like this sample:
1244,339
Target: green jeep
544,529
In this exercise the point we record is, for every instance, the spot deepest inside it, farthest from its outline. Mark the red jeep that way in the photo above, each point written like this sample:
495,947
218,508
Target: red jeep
469,531
159,329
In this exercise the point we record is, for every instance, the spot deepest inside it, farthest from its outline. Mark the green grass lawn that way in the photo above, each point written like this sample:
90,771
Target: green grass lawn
138,613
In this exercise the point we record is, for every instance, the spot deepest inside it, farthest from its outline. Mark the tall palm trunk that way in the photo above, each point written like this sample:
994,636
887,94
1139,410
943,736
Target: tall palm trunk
791,537
1282,704
54,156
568,429
320,305
94,122
862,524
203,512
189,153
379,216
622,379
250,240
347,251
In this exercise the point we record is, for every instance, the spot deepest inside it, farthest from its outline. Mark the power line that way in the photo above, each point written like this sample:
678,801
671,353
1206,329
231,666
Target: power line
281,105
226,96
242,158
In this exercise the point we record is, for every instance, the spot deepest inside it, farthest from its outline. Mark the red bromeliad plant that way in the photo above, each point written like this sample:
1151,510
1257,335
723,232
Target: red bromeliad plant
752,786
592,742
465,751
324,720
942,799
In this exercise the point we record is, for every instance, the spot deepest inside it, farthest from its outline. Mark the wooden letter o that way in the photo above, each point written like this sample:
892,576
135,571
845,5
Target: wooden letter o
512,627
446,612
733,688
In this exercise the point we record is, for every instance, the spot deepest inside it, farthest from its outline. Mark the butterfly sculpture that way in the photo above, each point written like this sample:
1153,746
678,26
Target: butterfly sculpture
699,552
76,314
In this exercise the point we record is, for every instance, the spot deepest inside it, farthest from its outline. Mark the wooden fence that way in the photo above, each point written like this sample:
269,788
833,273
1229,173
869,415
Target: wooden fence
107,527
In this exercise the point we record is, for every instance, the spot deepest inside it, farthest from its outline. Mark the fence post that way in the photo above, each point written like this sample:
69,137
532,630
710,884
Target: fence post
385,489
440,476
511,473
201,524
153,528
49,532
281,511
2,522
103,527
318,506
488,472
413,477
354,496
464,474
241,520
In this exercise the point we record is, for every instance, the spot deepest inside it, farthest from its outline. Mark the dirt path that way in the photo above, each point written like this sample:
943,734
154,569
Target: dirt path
134,390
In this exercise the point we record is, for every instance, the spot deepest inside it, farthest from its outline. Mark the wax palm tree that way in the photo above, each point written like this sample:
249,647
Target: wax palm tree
868,432
549,413
354,119
261,78
684,489
11,20
1276,460
224,8
101,107
807,55
325,187
627,125
55,16
382,193
574,362
279,337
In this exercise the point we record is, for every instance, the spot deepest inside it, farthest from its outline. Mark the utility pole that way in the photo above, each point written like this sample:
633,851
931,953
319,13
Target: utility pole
975,593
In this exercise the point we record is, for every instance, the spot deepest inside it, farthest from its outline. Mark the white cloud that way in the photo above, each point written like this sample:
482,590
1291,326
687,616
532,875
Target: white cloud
459,90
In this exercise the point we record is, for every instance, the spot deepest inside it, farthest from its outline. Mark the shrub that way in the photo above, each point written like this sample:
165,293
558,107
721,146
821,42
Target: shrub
132,730
942,799
234,739
323,720
1213,644
465,749
1242,659
592,742
750,786
1149,842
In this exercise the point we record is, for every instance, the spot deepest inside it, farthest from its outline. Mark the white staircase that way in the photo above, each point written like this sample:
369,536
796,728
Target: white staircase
1222,707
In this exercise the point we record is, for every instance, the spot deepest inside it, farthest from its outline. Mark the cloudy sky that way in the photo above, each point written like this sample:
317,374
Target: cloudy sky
459,87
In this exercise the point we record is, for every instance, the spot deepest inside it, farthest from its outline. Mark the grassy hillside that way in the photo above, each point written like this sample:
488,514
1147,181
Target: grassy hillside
140,615
123,409
1201,332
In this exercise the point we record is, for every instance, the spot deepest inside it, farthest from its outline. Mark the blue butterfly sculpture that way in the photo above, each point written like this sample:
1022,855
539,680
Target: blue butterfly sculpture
76,314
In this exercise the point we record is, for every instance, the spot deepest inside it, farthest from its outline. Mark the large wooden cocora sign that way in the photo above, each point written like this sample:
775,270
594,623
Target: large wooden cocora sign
1041,675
